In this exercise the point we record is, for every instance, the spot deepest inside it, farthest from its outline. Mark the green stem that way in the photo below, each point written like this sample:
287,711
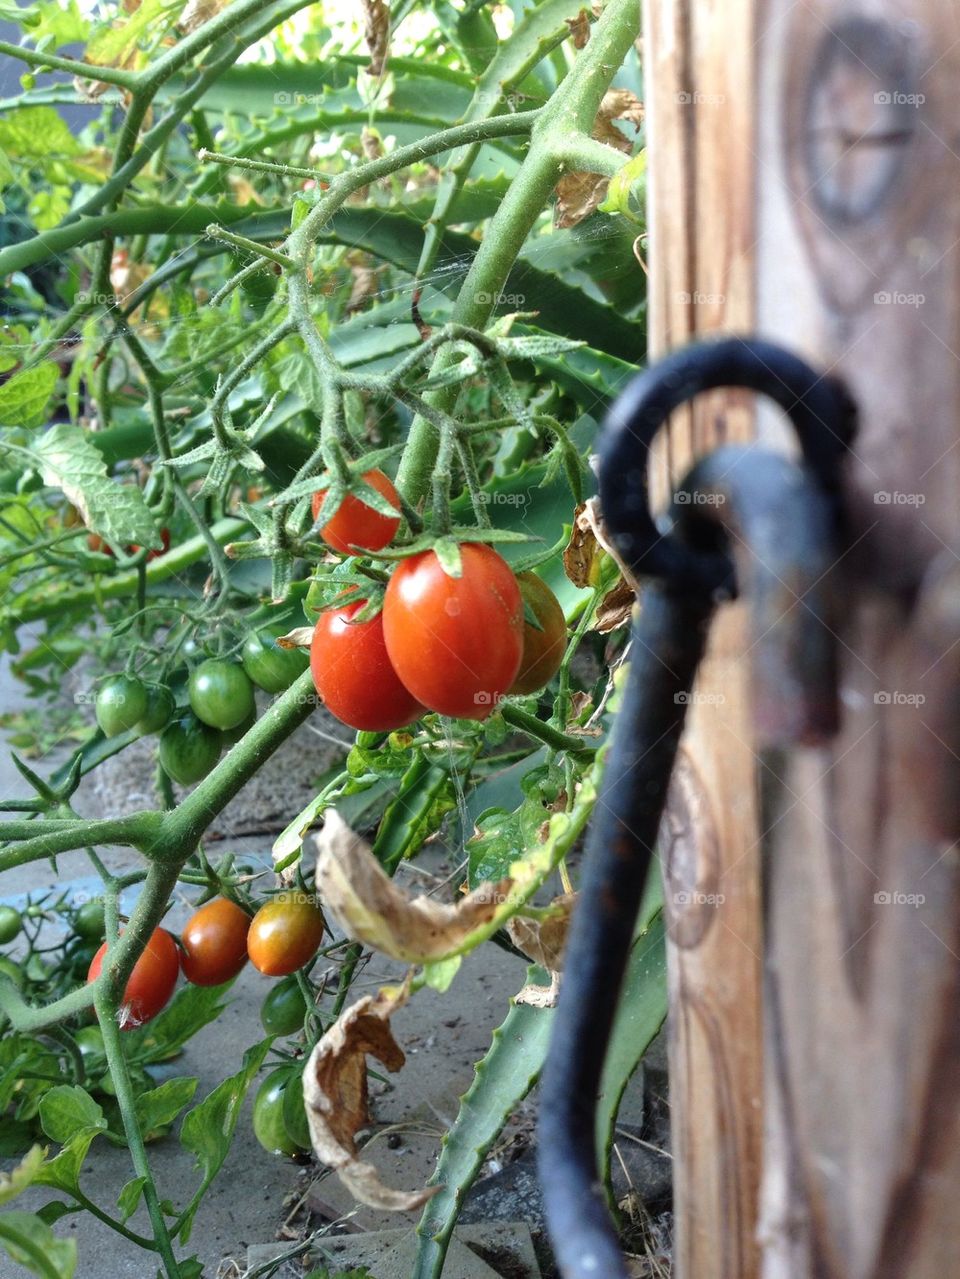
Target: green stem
571,111
34,58
109,994
543,732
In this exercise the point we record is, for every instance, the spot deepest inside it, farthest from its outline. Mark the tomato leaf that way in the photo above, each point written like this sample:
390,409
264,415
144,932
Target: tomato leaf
158,1108
31,1243
118,512
68,1110
24,398
191,1008
129,1197
208,1129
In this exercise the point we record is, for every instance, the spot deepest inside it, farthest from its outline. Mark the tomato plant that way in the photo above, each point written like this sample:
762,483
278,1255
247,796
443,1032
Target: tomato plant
214,943
285,934
194,353
188,749
455,642
353,673
221,694
150,984
357,526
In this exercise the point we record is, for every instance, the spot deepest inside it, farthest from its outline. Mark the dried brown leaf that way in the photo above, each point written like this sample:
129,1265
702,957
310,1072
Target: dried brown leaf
580,28
371,908
616,607
336,1100
376,33
196,13
578,194
581,554
543,940
299,637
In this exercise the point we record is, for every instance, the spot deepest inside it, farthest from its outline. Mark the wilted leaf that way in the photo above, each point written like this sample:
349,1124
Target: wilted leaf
376,33
14,1182
580,28
196,13
582,553
616,607
543,939
299,637
371,908
578,194
335,1096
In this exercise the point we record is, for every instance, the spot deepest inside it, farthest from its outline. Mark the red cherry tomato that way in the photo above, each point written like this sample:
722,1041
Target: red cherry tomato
151,983
214,943
96,543
154,555
358,525
543,648
285,934
353,675
456,643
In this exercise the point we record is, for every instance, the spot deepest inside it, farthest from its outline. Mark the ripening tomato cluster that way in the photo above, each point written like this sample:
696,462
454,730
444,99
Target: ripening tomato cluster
220,705
218,939
445,644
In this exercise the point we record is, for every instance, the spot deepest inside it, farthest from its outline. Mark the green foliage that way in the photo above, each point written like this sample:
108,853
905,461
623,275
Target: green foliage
169,402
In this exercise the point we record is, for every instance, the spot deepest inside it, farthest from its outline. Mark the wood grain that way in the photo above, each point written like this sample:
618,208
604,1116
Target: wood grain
699,77
858,228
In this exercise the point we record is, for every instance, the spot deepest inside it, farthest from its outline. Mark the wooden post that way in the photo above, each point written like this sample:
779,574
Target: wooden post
805,164
859,198
700,115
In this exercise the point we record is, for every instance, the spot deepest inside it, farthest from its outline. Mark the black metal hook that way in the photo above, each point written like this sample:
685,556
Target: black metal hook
770,531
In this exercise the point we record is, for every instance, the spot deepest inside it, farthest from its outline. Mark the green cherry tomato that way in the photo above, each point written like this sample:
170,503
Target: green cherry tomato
88,920
121,704
188,749
220,693
283,1010
269,1125
159,712
271,668
9,924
